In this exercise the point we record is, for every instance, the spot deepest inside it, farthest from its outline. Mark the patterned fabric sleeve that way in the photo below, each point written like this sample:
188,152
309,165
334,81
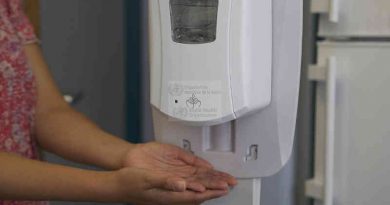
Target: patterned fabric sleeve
21,23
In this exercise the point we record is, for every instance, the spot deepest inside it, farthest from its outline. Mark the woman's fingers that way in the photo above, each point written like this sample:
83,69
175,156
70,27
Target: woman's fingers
202,180
213,179
195,186
214,184
189,197
175,184
193,160
211,183
232,181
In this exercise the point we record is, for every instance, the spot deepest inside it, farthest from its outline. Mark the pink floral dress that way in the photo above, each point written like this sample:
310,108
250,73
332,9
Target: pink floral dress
17,86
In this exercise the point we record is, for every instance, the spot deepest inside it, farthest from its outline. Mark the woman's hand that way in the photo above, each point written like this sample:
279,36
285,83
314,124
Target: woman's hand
24,179
147,187
180,170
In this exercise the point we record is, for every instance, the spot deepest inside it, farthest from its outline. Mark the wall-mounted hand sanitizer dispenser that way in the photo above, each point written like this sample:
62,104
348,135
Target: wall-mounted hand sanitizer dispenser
214,58
224,83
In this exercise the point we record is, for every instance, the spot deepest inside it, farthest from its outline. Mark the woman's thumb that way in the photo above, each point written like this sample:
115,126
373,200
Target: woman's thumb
175,184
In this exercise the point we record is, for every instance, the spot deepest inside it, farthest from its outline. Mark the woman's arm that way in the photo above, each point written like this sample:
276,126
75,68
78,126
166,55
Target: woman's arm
25,179
65,132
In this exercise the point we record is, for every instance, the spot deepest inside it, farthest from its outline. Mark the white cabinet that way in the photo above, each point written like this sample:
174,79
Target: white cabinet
362,122
356,18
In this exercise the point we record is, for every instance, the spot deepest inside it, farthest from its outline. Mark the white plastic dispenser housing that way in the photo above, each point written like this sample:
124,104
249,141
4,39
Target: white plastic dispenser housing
224,83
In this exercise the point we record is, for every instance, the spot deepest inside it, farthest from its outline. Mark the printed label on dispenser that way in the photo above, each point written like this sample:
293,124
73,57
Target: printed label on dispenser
195,101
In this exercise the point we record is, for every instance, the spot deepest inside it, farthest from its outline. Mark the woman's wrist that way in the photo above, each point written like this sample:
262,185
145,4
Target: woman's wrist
126,157
105,187
124,153
114,152
122,186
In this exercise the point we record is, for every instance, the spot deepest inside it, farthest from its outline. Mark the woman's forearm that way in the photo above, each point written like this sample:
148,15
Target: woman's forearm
24,179
69,134
65,132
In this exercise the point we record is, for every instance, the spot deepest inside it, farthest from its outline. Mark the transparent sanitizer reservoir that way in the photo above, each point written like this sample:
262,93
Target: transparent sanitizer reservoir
194,21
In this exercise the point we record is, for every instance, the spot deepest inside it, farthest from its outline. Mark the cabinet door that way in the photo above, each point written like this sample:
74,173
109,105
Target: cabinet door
362,122
358,18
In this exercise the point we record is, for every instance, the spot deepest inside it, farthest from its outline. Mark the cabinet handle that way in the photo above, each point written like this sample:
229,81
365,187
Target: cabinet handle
330,7
73,99
321,186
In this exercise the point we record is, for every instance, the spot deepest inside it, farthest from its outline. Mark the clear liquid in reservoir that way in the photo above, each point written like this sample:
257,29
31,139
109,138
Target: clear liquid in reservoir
194,21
